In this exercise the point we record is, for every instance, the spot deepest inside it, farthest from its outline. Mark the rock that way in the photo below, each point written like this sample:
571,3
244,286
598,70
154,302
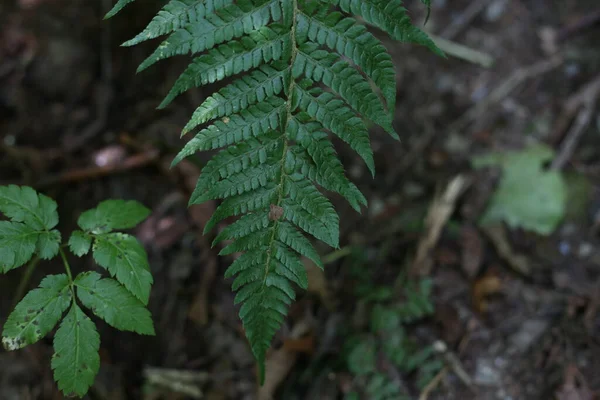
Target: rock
486,373
529,333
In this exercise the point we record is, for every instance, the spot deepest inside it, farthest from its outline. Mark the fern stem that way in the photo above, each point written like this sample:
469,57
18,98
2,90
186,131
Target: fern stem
288,106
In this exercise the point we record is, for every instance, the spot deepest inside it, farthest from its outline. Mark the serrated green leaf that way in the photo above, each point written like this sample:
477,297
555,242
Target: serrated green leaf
48,244
17,244
126,260
76,360
23,204
113,303
38,312
113,214
175,15
528,196
80,243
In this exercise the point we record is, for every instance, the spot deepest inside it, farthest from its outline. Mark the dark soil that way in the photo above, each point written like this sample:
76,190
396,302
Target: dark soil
79,125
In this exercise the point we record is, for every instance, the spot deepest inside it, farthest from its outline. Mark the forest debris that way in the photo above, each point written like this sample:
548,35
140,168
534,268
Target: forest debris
317,284
178,381
586,21
199,310
528,334
570,390
454,363
498,235
586,102
440,211
503,90
472,250
82,174
280,362
463,52
483,288
462,20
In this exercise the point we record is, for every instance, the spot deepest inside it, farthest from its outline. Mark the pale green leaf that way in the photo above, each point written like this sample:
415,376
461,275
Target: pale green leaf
113,214
23,204
76,360
38,312
126,260
113,303
17,244
48,244
80,243
529,196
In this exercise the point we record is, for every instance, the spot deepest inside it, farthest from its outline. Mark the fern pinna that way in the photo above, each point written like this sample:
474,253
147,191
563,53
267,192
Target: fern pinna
302,69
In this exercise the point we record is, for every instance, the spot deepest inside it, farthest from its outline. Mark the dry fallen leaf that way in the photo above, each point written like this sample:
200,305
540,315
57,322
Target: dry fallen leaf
482,289
280,362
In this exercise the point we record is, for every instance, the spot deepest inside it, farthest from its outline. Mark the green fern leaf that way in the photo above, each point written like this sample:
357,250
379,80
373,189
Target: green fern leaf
117,7
202,34
258,48
300,72
257,120
353,41
260,85
176,14
337,118
343,79
389,16
38,313
126,260
76,360
113,303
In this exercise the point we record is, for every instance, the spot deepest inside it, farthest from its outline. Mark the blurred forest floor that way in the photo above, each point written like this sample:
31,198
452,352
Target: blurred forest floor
512,314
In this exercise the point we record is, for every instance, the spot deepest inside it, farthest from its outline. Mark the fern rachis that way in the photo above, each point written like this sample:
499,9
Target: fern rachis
302,70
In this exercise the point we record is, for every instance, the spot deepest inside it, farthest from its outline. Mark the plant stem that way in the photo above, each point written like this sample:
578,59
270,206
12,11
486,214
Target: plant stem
67,267
25,280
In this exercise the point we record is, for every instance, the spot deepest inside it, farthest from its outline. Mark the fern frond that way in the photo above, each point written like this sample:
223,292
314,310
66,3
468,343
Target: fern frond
389,16
263,83
255,121
176,14
258,48
202,34
300,71
337,118
321,65
353,41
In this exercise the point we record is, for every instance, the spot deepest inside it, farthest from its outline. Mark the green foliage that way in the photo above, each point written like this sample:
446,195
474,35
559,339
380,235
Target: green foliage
300,70
121,302
386,339
528,196
30,229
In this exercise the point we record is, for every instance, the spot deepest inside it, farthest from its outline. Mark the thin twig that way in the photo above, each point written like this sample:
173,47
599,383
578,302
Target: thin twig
505,89
574,135
463,52
431,386
465,18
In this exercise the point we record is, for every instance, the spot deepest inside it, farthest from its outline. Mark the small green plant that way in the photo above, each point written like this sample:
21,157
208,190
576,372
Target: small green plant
301,70
29,235
386,339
